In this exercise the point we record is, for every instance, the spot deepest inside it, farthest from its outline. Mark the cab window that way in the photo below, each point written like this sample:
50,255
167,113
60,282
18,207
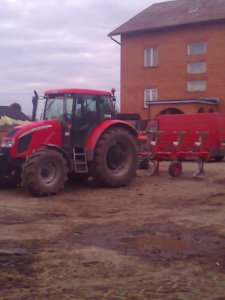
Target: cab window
85,104
58,107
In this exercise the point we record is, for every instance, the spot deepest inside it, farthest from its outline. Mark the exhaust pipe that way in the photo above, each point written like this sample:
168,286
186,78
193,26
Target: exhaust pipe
35,105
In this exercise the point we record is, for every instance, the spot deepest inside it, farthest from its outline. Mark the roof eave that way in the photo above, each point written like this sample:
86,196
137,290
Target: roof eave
181,25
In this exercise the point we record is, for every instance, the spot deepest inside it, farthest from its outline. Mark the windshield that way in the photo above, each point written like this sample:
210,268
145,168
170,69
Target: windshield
58,108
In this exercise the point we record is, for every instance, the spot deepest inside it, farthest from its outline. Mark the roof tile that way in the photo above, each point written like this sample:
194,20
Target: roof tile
173,14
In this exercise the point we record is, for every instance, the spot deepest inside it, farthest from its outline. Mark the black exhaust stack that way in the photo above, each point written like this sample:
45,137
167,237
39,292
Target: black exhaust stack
35,105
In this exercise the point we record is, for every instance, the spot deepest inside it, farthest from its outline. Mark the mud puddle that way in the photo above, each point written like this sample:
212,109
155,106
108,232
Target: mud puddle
152,241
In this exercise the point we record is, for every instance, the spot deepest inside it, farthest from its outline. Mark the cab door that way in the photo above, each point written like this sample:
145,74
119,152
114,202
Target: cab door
86,118
60,107
67,118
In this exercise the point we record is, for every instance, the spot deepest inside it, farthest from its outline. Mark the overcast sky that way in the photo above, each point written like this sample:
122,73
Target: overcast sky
47,44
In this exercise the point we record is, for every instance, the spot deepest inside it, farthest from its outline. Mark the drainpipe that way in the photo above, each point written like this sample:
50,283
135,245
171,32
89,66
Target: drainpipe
115,41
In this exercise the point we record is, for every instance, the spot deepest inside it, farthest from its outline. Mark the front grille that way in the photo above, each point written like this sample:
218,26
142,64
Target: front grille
5,151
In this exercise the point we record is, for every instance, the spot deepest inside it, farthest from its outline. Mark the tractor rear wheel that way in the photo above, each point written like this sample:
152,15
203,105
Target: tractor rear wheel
116,159
44,172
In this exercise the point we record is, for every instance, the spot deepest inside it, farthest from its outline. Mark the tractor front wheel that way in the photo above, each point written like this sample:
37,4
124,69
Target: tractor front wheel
44,172
116,159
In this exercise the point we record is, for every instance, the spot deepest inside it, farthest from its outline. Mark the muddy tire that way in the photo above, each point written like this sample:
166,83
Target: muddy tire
175,168
115,159
44,172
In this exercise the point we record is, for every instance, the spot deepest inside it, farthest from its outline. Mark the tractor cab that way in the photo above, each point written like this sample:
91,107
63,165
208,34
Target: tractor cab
79,111
89,111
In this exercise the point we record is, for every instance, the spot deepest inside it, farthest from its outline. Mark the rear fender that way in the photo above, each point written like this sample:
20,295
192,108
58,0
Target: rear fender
100,129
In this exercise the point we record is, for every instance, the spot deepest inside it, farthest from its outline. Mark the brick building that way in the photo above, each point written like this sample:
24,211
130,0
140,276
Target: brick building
173,58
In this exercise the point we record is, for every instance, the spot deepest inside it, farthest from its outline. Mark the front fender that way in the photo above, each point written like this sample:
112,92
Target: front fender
61,150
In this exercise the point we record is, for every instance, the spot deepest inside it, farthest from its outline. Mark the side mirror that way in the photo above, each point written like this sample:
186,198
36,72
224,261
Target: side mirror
113,95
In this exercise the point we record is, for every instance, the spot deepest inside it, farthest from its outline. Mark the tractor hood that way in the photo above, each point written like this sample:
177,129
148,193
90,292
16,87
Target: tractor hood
31,127
22,140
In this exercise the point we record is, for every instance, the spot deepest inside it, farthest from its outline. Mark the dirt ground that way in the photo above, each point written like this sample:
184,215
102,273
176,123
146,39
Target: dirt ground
158,238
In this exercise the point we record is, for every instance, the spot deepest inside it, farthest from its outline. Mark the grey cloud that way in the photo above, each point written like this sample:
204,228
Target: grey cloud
50,44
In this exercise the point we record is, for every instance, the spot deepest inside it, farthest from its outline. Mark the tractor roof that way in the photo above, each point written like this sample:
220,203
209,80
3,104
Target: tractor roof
76,91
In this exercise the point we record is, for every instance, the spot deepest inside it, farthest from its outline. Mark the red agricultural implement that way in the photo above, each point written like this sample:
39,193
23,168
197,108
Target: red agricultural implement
152,152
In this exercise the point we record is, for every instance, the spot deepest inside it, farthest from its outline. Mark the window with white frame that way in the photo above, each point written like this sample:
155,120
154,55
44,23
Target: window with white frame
151,57
149,95
196,48
197,67
196,85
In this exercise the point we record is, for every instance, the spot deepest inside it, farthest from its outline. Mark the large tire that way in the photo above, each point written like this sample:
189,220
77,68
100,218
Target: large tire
116,159
44,172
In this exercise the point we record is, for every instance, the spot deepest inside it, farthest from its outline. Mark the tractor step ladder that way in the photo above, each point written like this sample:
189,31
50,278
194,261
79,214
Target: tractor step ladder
80,160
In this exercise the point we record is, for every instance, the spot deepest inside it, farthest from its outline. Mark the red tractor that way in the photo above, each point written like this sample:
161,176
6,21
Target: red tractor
80,134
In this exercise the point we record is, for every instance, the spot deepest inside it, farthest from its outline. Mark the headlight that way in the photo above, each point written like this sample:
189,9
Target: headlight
7,143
